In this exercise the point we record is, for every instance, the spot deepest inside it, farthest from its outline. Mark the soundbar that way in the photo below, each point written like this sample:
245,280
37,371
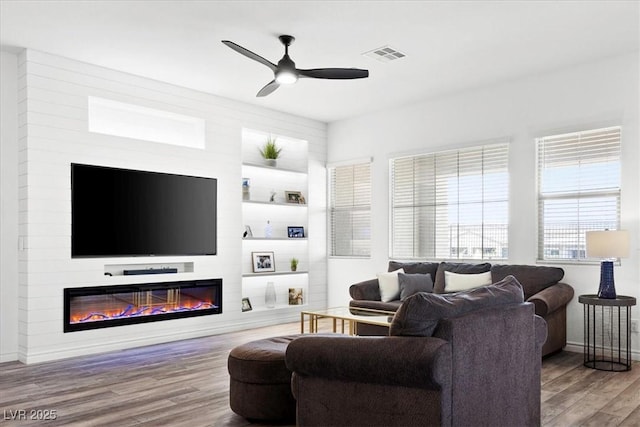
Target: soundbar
150,271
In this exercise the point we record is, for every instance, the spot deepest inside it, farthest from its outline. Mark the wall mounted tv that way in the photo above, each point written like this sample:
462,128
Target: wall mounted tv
122,212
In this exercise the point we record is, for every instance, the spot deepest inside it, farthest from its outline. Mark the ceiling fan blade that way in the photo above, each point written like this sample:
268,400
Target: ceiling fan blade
270,87
250,55
334,73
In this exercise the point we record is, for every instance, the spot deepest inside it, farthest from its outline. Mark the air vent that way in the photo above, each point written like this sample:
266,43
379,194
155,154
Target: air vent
384,54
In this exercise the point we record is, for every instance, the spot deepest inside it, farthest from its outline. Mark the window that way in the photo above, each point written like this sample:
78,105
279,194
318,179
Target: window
578,190
451,204
350,210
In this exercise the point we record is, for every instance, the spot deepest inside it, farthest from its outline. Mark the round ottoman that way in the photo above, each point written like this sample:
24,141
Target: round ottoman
260,386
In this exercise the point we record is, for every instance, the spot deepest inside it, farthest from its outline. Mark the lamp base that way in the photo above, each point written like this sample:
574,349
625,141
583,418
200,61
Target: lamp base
607,288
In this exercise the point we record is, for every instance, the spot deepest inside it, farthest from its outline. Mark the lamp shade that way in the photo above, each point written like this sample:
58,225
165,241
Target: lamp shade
608,244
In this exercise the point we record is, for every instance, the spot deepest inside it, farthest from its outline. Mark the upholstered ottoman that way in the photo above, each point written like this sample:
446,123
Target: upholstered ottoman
260,386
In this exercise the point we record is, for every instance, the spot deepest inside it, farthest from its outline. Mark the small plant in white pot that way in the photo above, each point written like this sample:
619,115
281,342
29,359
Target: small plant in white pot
270,151
294,264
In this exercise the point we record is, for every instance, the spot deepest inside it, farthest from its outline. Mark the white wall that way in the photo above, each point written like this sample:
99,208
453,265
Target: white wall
8,207
588,96
52,133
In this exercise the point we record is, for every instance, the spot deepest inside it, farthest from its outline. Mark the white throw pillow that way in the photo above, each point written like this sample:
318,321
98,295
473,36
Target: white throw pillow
454,282
389,286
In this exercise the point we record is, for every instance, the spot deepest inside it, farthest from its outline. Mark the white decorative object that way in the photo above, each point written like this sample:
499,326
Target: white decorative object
268,230
454,282
270,295
389,286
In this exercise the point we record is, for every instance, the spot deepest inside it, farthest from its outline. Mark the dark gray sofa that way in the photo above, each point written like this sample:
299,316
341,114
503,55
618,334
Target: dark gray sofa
541,286
465,359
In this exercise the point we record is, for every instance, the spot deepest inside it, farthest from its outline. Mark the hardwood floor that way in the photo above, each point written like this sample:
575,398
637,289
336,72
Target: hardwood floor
186,384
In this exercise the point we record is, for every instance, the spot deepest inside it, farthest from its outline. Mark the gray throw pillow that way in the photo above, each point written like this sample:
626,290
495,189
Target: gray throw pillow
420,313
413,283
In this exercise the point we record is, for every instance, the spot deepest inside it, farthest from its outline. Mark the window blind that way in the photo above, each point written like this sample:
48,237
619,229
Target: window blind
578,190
350,210
451,204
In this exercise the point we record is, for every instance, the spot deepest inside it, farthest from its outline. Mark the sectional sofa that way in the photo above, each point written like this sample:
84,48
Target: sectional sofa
542,286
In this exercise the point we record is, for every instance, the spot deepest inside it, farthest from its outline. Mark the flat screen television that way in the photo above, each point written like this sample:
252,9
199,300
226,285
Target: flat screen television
121,212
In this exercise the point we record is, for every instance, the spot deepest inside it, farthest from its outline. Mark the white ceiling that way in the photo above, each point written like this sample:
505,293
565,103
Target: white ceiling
450,46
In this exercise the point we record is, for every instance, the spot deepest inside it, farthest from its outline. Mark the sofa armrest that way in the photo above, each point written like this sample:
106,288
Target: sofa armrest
402,361
552,298
542,332
367,290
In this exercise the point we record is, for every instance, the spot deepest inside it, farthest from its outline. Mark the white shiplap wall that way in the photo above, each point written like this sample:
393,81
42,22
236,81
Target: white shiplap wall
52,133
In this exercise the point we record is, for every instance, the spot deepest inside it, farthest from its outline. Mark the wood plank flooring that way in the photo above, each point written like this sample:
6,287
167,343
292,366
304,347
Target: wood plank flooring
186,384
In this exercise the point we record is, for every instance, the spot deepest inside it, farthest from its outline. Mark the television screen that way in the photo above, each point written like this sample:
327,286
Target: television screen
121,212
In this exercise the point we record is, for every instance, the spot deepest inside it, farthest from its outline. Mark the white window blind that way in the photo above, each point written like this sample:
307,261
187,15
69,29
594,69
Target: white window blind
350,210
578,190
451,204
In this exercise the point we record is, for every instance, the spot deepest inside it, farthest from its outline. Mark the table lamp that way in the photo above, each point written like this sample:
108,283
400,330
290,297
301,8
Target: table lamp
608,245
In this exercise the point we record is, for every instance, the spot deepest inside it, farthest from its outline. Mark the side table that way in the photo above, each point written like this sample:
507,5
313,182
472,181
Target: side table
607,332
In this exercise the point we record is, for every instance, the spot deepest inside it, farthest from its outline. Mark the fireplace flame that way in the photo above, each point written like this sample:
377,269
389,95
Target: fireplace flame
134,311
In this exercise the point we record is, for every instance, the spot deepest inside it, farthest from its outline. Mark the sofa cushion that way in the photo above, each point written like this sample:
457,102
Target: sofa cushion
416,268
460,268
413,283
455,282
533,278
419,314
389,286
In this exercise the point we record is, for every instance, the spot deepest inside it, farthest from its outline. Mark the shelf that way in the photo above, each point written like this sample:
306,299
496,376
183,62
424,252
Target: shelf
258,165
277,307
275,273
275,238
257,202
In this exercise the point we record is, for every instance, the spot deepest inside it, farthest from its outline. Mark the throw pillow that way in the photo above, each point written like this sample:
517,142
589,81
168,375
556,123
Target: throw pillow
454,267
413,283
389,286
420,314
454,282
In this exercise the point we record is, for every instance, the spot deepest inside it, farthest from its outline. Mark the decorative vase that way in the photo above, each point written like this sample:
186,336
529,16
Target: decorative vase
271,162
268,230
270,295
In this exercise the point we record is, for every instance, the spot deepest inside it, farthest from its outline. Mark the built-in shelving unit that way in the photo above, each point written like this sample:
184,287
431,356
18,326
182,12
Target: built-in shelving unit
264,201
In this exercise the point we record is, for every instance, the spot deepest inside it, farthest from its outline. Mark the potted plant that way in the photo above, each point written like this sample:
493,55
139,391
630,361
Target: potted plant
270,151
294,264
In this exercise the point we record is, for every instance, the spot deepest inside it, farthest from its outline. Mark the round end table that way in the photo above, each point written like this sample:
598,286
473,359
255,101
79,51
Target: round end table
607,332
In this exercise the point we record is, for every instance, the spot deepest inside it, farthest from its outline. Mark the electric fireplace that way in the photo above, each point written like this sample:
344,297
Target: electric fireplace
107,306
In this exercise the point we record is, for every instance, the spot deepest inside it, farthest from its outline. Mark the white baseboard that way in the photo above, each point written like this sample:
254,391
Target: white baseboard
48,356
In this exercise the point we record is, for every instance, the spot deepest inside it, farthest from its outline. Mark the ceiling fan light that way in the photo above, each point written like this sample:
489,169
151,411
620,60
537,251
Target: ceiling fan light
286,77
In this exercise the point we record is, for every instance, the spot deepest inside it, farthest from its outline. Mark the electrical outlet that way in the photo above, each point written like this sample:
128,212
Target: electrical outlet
634,326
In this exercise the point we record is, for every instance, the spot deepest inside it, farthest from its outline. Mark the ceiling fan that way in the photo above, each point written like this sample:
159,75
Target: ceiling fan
287,73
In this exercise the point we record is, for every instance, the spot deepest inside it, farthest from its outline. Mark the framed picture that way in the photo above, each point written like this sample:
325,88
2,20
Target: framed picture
295,296
246,305
263,262
247,232
293,197
295,232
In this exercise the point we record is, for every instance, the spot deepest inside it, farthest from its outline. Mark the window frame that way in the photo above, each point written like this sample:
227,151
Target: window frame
579,195
365,207
471,149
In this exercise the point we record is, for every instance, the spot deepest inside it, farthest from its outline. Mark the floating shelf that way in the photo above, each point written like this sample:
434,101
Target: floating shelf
290,239
293,205
277,307
258,165
274,273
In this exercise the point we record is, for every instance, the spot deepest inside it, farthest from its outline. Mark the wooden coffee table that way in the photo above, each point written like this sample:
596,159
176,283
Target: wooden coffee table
350,316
